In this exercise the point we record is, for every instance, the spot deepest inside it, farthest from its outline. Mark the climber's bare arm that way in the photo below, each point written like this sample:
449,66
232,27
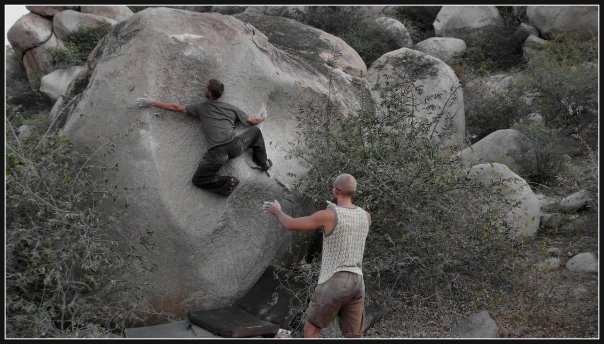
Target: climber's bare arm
147,101
323,219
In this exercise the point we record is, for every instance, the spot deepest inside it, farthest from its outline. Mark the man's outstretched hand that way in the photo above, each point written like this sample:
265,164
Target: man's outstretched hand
254,120
272,207
145,101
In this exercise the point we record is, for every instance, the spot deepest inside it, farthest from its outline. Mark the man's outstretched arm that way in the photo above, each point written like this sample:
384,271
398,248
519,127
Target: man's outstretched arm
147,101
320,220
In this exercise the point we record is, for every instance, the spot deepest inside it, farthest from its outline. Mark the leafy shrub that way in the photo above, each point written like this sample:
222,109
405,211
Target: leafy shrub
563,76
434,234
550,161
67,271
488,111
69,54
496,48
418,20
368,40
79,44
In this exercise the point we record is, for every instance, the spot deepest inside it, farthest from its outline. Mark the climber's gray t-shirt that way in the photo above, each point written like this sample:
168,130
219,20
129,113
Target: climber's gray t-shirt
217,120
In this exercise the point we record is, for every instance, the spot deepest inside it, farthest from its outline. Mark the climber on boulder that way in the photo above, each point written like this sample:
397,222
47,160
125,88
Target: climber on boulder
218,123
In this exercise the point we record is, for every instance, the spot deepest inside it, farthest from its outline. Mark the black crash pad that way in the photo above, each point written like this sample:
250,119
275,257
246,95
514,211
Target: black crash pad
232,322
269,301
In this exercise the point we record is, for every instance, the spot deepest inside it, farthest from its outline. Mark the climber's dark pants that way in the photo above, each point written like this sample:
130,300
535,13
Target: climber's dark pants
206,175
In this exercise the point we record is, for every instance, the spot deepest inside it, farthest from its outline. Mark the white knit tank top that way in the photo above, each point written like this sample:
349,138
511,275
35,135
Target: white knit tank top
343,248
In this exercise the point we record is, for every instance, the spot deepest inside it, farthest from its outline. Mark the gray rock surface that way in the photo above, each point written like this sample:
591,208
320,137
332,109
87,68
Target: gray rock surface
395,30
58,82
527,30
570,203
37,62
211,249
118,13
554,252
49,11
575,201
549,264
295,12
507,146
478,325
518,205
551,220
29,31
533,44
25,131
578,292
581,20
175,329
535,118
444,48
583,262
434,77
466,22
547,203
70,21
292,36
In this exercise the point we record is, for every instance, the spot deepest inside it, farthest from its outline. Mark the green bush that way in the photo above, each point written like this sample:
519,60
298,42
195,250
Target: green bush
550,162
79,44
496,48
434,233
67,269
487,111
368,40
418,20
563,77
69,54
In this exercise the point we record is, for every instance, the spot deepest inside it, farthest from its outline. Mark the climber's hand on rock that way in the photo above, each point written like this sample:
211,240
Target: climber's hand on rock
272,207
145,101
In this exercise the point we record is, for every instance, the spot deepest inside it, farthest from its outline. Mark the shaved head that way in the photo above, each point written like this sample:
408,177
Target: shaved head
346,184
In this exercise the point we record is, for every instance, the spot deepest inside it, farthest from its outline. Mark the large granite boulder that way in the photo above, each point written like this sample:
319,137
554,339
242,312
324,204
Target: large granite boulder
292,36
466,22
50,11
30,31
70,21
394,30
59,81
581,20
37,61
444,48
517,205
210,249
118,13
508,146
437,95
